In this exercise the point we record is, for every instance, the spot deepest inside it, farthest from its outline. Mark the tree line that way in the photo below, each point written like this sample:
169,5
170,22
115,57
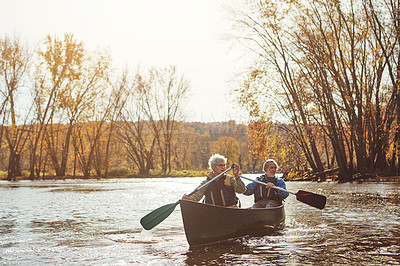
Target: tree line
66,112
330,68
62,104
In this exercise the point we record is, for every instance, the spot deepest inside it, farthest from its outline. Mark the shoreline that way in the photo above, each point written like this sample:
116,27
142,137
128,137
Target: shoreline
377,179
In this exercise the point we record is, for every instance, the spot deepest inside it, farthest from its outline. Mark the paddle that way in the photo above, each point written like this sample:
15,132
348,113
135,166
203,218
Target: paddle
157,216
312,199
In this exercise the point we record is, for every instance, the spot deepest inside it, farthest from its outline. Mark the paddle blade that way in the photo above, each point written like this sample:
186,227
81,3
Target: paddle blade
312,199
157,216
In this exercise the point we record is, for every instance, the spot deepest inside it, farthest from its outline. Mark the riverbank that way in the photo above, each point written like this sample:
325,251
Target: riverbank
392,179
191,173
331,175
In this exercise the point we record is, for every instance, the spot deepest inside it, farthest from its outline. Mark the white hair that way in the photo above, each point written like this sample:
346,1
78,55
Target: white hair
216,158
270,161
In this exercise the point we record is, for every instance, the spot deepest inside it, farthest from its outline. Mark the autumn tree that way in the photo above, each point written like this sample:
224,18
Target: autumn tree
90,102
68,83
266,138
228,147
183,154
14,62
200,149
57,67
322,61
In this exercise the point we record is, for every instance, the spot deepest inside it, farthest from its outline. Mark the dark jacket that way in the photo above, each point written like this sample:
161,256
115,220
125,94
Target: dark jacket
229,181
261,192
217,193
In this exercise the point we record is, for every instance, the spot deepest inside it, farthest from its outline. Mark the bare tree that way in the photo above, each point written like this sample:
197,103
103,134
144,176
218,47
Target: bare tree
384,19
117,100
138,140
162,104
151,117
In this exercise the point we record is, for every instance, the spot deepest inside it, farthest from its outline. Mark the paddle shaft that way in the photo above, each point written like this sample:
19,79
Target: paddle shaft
208,182
262,183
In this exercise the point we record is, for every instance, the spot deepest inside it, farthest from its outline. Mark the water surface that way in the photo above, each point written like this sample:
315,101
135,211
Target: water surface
92,222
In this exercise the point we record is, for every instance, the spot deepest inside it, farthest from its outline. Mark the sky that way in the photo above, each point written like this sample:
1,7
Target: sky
149,33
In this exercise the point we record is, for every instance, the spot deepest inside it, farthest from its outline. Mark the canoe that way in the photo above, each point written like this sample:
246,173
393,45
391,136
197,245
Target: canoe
206,224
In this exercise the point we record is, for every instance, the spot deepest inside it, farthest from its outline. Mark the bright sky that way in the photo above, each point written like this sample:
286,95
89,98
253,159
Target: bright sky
184,33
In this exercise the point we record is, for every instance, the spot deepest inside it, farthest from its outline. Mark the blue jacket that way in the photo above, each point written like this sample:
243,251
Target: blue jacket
260,192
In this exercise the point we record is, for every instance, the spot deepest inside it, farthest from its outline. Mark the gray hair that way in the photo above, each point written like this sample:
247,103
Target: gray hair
216,158
270,161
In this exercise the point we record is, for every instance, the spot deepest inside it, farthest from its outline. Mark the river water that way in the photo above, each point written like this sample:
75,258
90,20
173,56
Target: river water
96,222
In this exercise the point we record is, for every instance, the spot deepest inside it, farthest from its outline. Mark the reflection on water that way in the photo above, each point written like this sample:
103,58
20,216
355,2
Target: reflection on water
95,222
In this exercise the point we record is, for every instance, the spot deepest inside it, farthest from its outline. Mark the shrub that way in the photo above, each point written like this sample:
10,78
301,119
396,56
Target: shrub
3,175
121,171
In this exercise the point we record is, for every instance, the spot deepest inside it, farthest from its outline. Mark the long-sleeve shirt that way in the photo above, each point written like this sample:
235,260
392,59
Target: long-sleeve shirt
230,180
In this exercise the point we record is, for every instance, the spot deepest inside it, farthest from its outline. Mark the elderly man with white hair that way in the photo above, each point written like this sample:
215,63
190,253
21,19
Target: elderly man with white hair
264,195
